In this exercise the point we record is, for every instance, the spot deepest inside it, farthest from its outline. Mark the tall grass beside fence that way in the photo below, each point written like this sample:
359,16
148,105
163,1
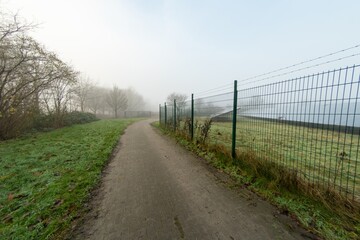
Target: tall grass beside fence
309,126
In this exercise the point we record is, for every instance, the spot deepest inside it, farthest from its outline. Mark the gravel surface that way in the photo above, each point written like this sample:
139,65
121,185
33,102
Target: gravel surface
155,189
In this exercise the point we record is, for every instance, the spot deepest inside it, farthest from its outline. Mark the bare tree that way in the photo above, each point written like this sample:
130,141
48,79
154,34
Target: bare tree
26,70
135,100
10,25
59,96
179,97
116,99
82,91
96,99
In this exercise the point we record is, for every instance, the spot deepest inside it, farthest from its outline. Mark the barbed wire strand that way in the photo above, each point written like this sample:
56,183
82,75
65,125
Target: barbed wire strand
300,69
246,80
214,89
301,63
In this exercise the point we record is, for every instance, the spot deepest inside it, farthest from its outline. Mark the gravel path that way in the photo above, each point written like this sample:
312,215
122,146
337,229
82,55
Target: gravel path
154,189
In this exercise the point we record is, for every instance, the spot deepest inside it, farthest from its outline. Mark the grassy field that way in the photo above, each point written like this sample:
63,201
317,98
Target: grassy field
319,157
45,178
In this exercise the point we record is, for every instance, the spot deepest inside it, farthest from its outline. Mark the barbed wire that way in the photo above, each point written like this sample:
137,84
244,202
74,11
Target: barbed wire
301,63
247,81
300,69
217,89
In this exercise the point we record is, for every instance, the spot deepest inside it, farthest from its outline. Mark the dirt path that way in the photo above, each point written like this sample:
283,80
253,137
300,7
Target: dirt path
154,189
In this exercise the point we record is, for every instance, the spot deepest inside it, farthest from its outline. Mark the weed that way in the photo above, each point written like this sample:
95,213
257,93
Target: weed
186,126
203,130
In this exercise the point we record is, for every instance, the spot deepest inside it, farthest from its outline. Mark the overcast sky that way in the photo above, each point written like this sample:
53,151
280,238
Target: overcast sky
162,46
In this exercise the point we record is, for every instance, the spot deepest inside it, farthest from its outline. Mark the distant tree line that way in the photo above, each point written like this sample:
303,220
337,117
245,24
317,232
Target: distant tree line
201,106
88,97
36,86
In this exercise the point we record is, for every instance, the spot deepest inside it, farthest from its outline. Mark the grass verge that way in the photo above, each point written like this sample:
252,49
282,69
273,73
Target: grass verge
273,183
46,178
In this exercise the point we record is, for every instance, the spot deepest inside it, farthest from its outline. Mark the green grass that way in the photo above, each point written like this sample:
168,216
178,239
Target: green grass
45,178
320,157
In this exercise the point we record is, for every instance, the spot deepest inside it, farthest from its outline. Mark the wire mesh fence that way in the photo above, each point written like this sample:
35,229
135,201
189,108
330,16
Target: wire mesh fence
309,125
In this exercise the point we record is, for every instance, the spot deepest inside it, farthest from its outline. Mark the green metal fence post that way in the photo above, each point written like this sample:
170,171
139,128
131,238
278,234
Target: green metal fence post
165,115
160,114
233,145
192,117
174,115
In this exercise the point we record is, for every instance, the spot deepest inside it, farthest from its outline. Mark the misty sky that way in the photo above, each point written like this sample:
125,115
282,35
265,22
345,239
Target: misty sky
158,47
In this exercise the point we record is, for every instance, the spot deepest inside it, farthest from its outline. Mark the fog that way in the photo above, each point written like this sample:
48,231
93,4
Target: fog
160,47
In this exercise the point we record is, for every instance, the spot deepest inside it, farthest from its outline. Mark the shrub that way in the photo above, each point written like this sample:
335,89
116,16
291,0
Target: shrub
47,122
79,118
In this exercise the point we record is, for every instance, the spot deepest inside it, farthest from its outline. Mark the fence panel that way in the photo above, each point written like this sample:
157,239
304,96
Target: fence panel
218,108
310,125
